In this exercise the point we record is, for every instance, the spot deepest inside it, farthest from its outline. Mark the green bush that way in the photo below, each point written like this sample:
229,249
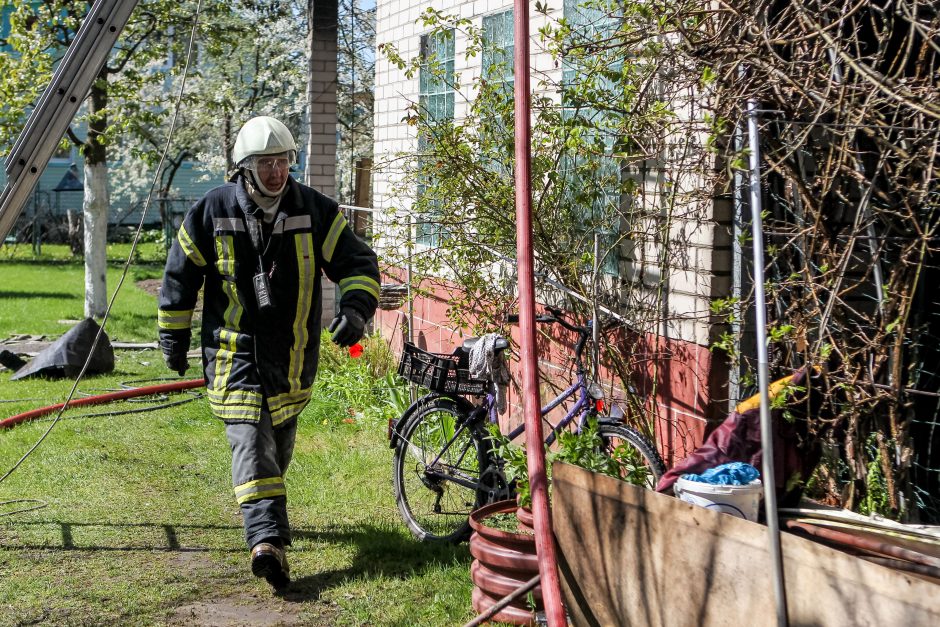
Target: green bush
354,389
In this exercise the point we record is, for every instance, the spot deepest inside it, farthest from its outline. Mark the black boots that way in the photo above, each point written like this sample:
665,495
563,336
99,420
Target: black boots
270,561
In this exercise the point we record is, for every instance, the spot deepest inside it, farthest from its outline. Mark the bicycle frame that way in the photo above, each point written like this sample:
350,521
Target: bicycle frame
472,417
582,408
447,448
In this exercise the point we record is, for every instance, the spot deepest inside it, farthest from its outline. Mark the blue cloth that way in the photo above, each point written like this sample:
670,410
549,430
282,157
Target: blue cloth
732,473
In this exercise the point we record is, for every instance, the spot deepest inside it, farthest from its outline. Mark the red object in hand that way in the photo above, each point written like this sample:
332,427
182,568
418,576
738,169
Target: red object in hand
355,351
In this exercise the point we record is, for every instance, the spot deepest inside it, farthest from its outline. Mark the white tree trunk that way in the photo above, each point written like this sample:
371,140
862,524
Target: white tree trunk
95,207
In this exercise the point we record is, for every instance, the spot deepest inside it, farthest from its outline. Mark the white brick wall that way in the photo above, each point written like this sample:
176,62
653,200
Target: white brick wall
395,23
691,281
321,157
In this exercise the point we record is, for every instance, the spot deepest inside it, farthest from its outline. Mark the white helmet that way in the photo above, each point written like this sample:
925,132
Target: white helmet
263,135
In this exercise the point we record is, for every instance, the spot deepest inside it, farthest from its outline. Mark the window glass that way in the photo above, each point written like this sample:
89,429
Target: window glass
498,51
594,178
496,131
436,99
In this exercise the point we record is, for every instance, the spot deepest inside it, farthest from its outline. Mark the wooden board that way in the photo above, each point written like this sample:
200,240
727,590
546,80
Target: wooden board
634,557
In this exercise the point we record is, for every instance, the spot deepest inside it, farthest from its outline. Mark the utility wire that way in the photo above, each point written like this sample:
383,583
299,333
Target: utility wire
130,257
137,410
38,504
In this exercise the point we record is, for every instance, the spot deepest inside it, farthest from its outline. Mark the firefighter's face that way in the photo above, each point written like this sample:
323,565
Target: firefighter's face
273,171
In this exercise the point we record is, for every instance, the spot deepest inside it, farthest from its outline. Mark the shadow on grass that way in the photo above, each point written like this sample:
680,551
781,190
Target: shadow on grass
31,261
380,551
162,537
149,266
36,294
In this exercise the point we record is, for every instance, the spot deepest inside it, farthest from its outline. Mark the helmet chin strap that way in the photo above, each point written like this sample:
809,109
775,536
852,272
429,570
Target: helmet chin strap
258,185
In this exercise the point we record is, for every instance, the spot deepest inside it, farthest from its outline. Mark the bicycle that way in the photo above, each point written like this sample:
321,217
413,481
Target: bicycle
444,465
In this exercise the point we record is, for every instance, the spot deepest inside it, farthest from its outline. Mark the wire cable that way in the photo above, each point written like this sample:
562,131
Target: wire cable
39,504
130,257
136,410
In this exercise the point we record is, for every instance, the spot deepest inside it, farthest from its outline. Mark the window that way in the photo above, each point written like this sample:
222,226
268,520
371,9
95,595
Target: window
437,75
436,100
498,50
496,131
594,178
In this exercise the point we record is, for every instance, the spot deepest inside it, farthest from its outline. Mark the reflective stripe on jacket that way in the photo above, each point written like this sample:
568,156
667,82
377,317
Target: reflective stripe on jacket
252,356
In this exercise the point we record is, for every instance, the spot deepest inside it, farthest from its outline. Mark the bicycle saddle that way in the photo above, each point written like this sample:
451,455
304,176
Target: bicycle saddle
501,343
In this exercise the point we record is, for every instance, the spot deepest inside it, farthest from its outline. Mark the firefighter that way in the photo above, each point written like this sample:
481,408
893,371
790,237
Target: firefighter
257,246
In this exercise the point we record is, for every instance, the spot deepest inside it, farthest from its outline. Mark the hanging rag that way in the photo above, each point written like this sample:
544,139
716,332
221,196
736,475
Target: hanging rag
486,363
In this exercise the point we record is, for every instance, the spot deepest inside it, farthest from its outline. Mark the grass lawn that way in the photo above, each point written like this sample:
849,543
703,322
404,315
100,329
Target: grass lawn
138,525
45,295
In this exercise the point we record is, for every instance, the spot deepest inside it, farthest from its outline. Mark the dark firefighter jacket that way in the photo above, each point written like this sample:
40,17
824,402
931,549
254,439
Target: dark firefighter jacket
251,356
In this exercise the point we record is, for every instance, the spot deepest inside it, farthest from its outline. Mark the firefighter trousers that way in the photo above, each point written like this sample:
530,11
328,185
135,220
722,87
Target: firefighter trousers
260,457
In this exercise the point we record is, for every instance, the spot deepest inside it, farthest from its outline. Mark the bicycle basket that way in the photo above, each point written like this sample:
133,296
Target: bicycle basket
438,372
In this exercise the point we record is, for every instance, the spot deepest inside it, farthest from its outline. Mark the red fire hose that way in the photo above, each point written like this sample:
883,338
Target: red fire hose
98,399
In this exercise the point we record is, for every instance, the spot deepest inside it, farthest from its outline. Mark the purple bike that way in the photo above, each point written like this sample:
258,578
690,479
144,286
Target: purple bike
445,465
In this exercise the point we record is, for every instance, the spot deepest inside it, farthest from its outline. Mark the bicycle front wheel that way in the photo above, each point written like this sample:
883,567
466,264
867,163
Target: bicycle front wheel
437,467
639,462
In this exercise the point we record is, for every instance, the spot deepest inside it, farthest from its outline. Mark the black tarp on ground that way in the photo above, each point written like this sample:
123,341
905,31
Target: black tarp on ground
66,356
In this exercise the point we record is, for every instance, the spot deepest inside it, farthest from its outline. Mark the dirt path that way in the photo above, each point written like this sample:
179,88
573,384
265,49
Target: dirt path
238,611
152,287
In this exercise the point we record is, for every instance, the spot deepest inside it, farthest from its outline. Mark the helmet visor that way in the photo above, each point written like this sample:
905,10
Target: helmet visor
263,164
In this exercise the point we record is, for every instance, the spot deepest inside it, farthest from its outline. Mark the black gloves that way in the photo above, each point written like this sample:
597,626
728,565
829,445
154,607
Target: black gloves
177,362
174,354
347,328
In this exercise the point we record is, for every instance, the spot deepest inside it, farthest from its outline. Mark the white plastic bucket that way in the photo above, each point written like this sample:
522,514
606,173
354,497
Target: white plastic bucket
742,501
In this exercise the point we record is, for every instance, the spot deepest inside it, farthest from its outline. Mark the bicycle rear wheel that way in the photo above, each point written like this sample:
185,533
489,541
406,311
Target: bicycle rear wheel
637,457
437,472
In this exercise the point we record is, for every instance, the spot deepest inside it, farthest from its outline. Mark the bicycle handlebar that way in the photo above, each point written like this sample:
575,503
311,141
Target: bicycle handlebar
556,315
514,318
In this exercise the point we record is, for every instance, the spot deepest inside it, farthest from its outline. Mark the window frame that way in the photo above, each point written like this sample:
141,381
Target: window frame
436,96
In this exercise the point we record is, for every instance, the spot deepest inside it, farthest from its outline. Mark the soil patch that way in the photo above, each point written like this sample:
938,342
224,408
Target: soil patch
237,611
152,287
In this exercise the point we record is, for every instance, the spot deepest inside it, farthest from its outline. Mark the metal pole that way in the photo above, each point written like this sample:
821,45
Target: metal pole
310,93
506,600
409,276
544,538
411,301
766,427
595,314
738,274
352,99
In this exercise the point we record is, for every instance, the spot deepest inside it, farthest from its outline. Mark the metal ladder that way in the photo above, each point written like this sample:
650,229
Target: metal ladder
59,103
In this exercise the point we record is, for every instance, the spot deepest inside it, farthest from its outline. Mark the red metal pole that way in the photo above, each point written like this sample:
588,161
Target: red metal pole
99,399
544,538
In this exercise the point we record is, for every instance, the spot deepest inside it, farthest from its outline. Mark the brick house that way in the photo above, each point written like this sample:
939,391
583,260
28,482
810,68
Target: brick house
685,382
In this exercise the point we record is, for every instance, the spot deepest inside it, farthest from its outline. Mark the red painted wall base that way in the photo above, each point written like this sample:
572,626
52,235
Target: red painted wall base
681,379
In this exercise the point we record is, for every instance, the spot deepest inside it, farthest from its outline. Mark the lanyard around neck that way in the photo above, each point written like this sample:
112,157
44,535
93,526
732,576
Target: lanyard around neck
254,235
